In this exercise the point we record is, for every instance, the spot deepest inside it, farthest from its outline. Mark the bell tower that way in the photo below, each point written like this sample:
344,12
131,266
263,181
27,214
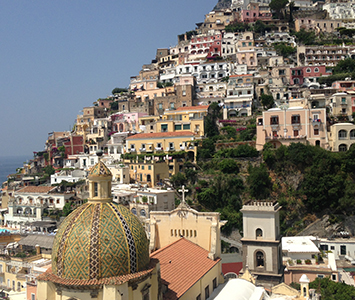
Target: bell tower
262,252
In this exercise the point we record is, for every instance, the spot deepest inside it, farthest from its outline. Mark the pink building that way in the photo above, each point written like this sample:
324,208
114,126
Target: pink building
315,71
252,14
292,125
206,44
123,122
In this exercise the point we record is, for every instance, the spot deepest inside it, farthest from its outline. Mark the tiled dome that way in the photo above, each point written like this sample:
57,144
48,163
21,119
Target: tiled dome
99,240
100,169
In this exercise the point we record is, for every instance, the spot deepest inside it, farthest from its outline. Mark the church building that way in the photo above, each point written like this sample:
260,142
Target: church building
101,251
262,251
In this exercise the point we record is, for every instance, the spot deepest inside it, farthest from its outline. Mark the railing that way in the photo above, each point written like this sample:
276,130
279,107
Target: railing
300,137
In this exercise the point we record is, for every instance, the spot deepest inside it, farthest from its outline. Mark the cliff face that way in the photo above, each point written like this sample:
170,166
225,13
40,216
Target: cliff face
223,4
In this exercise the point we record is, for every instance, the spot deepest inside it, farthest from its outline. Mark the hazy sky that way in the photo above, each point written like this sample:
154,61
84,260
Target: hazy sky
57,57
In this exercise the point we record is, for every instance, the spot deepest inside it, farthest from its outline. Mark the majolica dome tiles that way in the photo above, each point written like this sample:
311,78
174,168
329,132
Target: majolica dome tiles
99,240
100,169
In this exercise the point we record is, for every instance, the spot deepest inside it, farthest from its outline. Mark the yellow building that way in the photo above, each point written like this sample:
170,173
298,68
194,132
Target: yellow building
341,136
188,246
184,118
101,251
161,142
148,172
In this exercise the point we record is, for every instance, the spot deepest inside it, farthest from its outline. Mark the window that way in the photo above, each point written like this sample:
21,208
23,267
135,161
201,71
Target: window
295,119
186,126
281,72
308,70
316,131
95,189
171,145
343,148
160,105
320,276
342,134
274,120
343,100
198,297
295,133
316,70
149,168
143,213
177,127
214,283
172,105
164,128
334,277
33,297
259,233
207,292
159,145
342,250
134,211
259,259
332,248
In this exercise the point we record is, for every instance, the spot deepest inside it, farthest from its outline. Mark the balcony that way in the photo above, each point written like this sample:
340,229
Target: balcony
170,148
286,138
158,149
142,149
316,122
132,150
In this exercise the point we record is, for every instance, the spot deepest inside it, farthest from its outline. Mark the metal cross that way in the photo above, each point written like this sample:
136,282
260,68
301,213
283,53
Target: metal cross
183,190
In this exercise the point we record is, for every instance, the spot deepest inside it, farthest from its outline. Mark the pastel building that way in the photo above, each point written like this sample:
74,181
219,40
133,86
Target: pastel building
123,122
341,137
292,125
341,104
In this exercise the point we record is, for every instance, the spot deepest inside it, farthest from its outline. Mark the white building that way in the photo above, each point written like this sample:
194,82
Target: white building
28,204
69,176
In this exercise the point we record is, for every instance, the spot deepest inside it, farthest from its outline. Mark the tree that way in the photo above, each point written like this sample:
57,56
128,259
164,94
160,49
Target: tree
277,6
345,66
229,166
49,170
267,100
305,37
211,128
333,290
67,209
178,180
259,182
284,50
119,90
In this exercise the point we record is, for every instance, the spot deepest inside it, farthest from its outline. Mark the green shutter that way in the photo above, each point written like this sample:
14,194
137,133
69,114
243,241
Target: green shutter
186,127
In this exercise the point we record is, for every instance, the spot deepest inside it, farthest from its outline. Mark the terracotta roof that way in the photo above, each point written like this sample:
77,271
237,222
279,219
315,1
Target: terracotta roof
232,267
36,189
241,75
182,264
159,135
193,107
97,283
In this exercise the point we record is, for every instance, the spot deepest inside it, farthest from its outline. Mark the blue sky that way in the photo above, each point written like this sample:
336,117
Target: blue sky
57,57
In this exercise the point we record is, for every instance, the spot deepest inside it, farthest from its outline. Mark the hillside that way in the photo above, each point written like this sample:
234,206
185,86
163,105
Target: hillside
222,4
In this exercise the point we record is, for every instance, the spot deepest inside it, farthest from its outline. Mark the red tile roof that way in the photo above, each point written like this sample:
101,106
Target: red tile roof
36,189
182,264
159,135
92,283
205,107
232,268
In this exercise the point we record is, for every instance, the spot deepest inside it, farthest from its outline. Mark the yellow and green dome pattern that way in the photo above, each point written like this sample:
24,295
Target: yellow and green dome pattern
100,169
99,240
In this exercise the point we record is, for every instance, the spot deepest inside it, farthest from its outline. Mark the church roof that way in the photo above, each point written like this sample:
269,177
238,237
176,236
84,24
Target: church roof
95,283
182,264
99,240
36,189
100,169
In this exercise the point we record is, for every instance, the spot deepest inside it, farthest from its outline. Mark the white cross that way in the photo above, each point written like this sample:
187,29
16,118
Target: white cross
183,190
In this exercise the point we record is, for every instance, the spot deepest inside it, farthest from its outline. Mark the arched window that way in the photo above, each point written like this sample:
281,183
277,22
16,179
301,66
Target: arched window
259,259
259,233
343,148
308,70
143,213
278,96
352,134
296,81
316,70
134,211
342,134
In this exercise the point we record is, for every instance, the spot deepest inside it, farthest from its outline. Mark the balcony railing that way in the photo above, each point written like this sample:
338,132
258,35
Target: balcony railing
300,137
316,121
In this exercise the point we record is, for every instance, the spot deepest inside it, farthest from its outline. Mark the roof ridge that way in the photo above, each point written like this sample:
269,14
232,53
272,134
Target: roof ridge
166,246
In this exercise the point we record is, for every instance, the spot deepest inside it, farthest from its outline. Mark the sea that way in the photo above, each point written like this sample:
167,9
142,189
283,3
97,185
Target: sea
9,164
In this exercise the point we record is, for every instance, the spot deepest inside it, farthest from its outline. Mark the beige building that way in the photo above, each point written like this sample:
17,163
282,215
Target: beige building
262,242
86,120
293,125
318,25
341,104
161,142
341,136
